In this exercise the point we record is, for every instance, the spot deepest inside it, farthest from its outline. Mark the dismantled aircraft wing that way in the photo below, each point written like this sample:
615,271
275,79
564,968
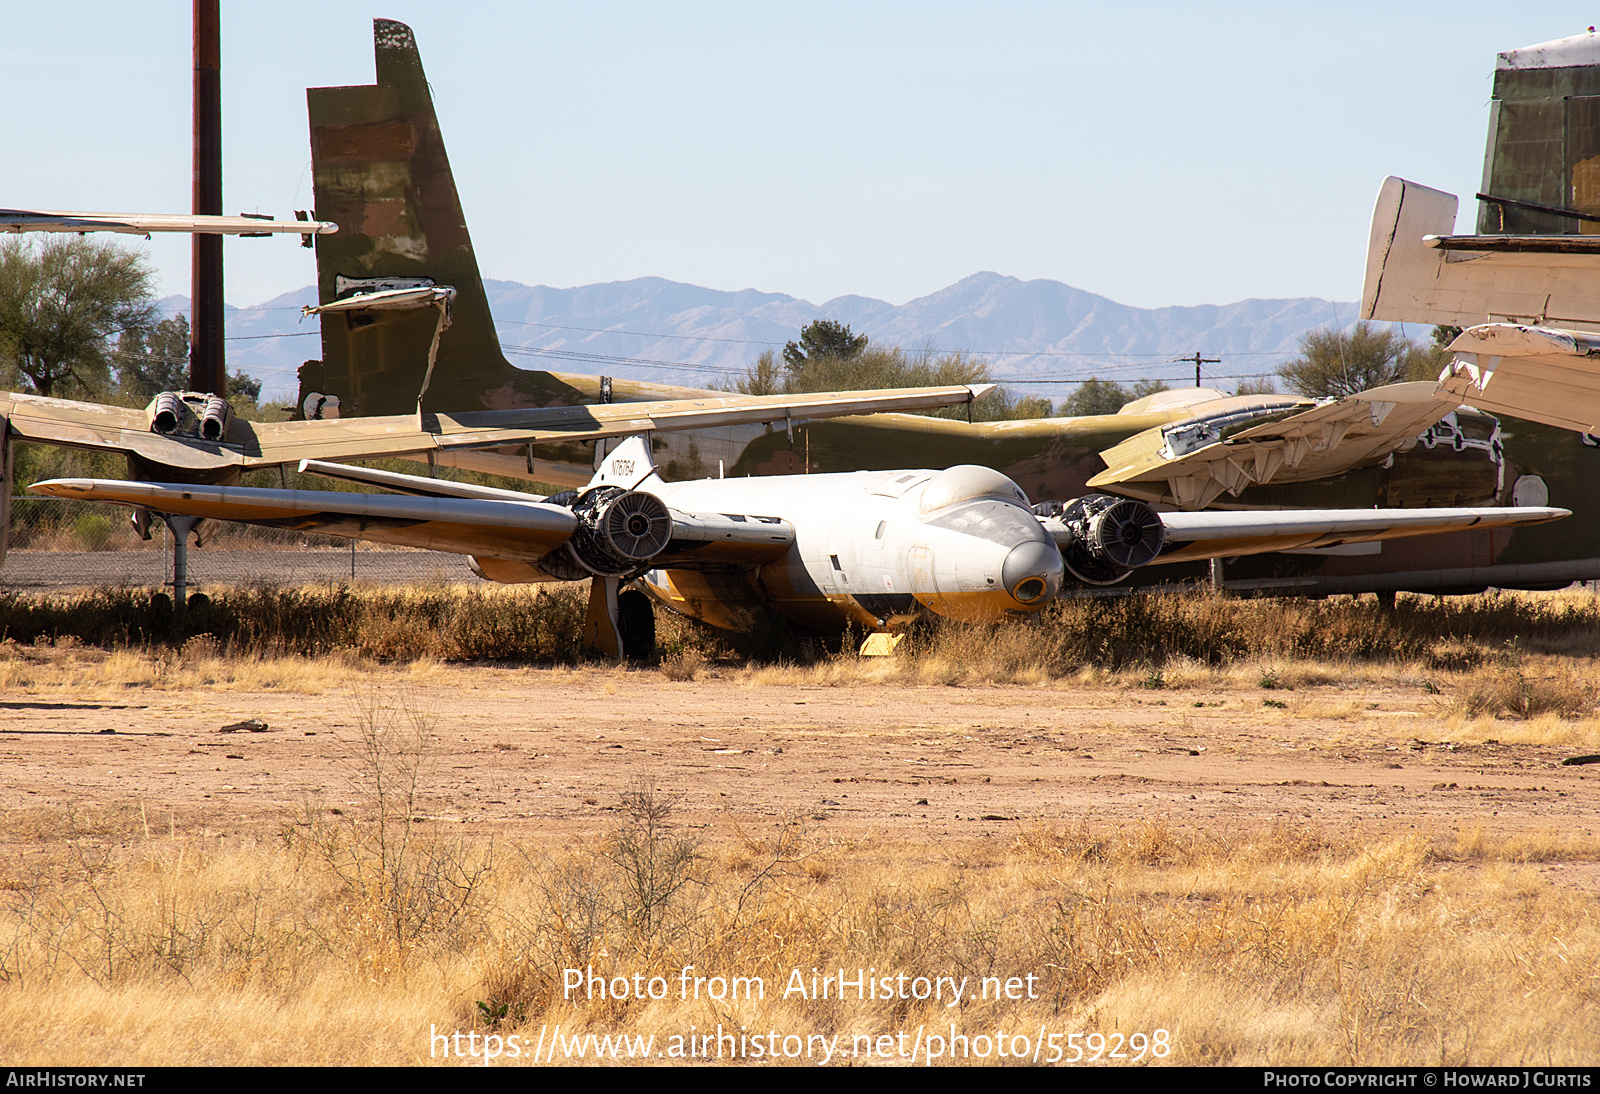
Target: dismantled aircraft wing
1545,375
1254,440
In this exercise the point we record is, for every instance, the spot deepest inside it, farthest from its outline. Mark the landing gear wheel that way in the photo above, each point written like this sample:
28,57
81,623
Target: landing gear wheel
636,625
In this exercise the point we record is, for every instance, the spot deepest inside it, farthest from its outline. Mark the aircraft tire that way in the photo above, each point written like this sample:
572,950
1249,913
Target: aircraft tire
636,625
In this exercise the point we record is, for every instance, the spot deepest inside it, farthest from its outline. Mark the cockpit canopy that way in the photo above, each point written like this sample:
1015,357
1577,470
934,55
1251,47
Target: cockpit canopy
968,482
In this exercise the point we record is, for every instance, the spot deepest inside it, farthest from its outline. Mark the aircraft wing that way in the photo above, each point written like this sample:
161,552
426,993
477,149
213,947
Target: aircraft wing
486,526
1193,536
1419,272
1539,373
1189,463
140,224
520,530
269,444
400,435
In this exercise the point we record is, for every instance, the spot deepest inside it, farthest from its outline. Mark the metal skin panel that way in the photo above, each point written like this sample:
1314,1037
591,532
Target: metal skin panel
1190,465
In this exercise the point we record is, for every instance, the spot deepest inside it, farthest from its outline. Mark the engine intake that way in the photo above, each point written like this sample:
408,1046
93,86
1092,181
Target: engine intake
1106,538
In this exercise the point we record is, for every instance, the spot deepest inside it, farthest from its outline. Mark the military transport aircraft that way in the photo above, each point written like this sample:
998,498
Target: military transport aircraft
1527,286
381,173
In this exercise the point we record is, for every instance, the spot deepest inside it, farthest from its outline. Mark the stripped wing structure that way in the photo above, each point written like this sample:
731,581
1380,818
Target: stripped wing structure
1191,463
1539,373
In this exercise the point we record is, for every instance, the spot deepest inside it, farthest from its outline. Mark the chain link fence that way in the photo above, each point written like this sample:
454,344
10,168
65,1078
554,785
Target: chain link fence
57,543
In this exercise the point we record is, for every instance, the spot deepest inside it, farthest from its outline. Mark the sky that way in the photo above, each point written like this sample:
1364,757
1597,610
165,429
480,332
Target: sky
1157,154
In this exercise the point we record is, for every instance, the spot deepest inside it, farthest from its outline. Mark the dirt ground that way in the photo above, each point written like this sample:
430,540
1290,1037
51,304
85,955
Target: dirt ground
543,756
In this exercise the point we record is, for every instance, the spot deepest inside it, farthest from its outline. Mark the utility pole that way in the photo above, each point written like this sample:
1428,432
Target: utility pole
1198,361
207,371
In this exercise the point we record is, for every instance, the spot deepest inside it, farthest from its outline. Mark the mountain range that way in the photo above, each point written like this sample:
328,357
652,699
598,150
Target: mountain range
1043,333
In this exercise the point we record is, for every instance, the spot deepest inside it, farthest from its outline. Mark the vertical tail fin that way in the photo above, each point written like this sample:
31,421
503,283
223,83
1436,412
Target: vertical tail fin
380,172
1543,154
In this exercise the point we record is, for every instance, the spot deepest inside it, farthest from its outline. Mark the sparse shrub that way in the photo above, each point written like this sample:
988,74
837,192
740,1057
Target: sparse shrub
401,880
682,666
1511,692
93,531
654,865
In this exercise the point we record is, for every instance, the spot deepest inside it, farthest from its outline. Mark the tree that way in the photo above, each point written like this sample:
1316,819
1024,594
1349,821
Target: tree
866,369
822,339
1258,385
154,360
61,305
1339,363
1097,396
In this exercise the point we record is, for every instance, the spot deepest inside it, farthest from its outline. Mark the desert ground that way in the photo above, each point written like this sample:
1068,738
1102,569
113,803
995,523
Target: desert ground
543,755
215,853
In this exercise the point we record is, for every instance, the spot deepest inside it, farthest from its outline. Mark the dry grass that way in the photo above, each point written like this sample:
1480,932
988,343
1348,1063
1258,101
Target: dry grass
447,622
353,936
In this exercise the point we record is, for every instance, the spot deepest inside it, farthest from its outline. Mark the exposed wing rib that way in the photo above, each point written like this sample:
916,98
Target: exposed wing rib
1224,534
1190,463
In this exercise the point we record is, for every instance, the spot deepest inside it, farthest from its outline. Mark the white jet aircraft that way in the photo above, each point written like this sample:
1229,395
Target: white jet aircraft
873,549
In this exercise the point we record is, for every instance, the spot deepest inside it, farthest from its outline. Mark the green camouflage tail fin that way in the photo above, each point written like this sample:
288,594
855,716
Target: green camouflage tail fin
1543,158
380,172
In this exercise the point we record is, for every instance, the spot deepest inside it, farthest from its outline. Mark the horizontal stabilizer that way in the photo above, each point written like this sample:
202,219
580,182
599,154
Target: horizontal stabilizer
1419,272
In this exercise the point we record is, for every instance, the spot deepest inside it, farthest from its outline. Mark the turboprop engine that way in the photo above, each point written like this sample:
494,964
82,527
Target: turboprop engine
1103,539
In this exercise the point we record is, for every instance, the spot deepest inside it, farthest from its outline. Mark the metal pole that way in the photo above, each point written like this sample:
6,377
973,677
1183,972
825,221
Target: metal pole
180,528
207,371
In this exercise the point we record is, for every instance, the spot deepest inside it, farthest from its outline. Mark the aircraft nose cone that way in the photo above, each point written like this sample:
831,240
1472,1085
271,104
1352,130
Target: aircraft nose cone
1032,572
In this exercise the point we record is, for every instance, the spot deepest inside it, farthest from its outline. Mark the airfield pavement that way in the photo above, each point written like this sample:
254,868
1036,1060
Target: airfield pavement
543,756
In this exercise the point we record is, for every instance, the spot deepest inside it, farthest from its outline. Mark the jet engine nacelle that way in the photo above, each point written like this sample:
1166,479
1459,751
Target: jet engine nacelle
214,418
1103,539
166,412
618,532
190,413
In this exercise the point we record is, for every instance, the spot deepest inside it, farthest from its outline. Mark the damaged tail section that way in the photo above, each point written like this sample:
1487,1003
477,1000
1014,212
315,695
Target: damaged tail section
381,173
